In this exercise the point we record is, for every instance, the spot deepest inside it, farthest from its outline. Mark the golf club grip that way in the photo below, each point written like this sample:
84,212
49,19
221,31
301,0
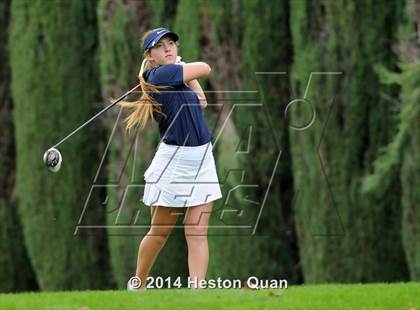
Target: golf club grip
96,115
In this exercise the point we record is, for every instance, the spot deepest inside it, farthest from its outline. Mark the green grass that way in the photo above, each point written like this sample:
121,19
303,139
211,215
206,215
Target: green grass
353,296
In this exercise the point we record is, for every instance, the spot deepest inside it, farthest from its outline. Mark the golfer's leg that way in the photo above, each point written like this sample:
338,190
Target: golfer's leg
163,220
196,225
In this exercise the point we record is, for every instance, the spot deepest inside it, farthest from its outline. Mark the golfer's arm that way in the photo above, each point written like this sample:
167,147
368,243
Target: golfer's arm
195,70
196,87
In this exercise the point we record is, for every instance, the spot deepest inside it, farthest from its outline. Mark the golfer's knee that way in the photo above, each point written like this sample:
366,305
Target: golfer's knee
159,234
195,233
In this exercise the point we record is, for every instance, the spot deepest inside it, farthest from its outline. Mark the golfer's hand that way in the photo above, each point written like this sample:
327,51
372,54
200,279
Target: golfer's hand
179,60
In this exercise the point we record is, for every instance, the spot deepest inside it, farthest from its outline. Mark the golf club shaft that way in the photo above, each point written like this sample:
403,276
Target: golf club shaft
96,115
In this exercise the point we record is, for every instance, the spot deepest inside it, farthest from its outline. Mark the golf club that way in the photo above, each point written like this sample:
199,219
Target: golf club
52,157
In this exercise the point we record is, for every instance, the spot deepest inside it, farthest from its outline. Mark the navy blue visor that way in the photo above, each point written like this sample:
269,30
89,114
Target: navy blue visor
154,37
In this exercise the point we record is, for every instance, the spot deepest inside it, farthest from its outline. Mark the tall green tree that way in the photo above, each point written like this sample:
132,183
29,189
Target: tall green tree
410,169
344,234
401,156
121,26
200,41
55,87
227,41
267,70
16,271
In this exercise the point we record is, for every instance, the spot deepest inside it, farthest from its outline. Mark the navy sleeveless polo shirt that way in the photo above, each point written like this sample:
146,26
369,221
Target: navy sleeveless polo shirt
184,123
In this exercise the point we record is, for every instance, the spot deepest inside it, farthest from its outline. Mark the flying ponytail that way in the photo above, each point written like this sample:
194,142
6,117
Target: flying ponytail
146,105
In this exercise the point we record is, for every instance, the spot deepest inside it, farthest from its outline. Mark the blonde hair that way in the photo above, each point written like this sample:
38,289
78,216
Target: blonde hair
145,105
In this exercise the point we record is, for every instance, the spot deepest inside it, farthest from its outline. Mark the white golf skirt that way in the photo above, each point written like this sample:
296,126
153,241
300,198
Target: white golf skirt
181,176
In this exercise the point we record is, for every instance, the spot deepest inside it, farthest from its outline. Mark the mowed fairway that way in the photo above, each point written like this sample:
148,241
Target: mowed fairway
351,296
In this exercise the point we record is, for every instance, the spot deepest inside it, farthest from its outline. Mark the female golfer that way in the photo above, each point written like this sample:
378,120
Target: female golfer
182,172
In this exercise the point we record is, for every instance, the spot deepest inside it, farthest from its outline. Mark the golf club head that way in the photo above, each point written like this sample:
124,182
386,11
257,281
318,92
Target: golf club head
53,159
